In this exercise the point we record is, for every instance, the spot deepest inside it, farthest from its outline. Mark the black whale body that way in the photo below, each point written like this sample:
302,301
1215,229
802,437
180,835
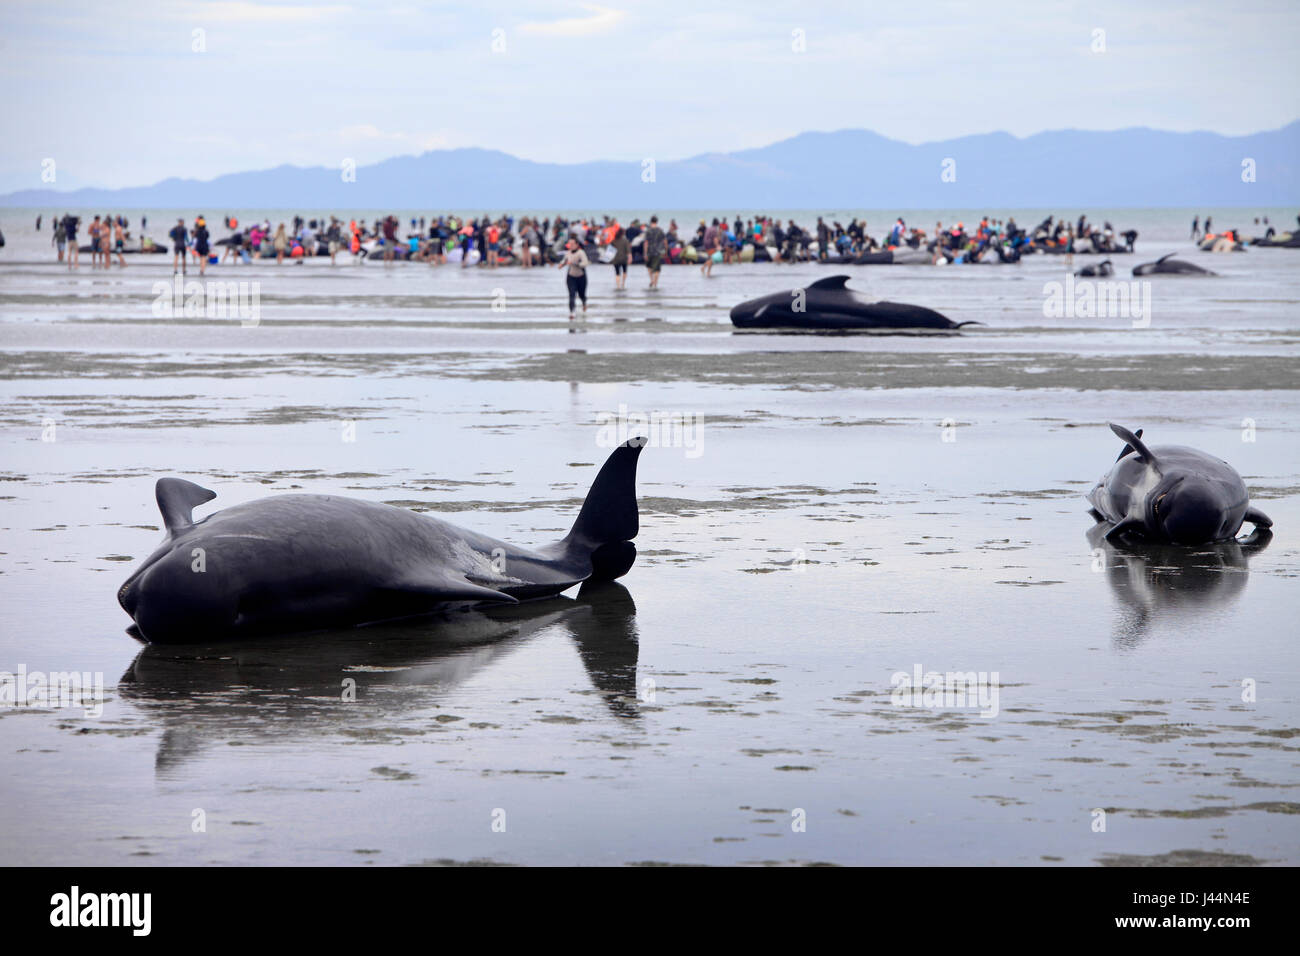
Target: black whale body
134,251
1168,265
827,304
883,257
1103,268
306,562
1171,494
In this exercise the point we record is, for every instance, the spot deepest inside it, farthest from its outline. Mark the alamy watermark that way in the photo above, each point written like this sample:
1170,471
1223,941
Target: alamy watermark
23,688
659,429
126,910
1098,299
210,299
951,690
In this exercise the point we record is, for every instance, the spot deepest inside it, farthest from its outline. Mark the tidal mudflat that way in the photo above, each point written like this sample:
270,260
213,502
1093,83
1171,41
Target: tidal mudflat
847,509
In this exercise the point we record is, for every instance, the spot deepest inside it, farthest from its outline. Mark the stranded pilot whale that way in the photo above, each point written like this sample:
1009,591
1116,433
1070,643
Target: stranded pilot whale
1172,494
1103,268
1168,265
305,562
827,304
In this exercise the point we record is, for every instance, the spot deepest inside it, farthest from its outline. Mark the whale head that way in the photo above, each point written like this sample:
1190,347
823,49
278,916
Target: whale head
176,592
1187,510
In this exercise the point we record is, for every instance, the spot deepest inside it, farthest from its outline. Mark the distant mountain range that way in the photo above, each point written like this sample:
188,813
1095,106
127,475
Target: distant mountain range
848,169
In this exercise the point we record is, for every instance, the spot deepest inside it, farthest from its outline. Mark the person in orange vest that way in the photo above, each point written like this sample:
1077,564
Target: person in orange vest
493,237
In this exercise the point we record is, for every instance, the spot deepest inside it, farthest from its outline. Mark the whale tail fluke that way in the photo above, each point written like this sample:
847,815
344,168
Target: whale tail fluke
609,520
958,325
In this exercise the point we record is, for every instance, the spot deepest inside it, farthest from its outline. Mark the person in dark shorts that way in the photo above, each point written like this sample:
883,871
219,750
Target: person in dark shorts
622,256
119,242
655,247
93,233
70,224
179,237
201,236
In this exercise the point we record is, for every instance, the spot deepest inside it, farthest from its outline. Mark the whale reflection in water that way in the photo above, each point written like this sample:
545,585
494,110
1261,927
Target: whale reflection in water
259,690
1166,582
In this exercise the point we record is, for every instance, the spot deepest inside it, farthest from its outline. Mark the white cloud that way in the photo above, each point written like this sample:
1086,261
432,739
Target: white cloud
242,11
601,20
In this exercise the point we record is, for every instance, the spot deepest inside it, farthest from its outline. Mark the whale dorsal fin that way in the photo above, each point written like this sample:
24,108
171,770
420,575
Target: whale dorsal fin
1163,258
830,282
1127,447
1142,451
177,499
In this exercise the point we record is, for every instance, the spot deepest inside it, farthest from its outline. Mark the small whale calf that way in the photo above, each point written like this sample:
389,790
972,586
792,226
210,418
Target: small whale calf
307,562
828,305
1171,494
1103,268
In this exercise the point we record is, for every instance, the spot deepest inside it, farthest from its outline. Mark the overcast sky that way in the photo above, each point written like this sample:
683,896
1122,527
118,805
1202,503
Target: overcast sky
117,95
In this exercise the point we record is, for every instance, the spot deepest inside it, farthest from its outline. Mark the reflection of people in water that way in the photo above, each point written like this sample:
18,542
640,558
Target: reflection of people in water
278,688
1167,581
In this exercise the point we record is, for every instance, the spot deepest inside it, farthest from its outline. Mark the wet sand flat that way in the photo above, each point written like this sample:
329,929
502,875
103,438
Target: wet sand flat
850,508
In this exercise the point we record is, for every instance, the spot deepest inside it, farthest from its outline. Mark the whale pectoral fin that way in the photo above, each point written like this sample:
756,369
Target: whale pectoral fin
1258,518
1143,452
1256,541
177,499
1127,447
1122,528
451,588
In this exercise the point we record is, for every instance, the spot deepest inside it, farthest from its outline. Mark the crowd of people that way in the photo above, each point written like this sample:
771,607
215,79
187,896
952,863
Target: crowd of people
574,244
531,241
108,236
